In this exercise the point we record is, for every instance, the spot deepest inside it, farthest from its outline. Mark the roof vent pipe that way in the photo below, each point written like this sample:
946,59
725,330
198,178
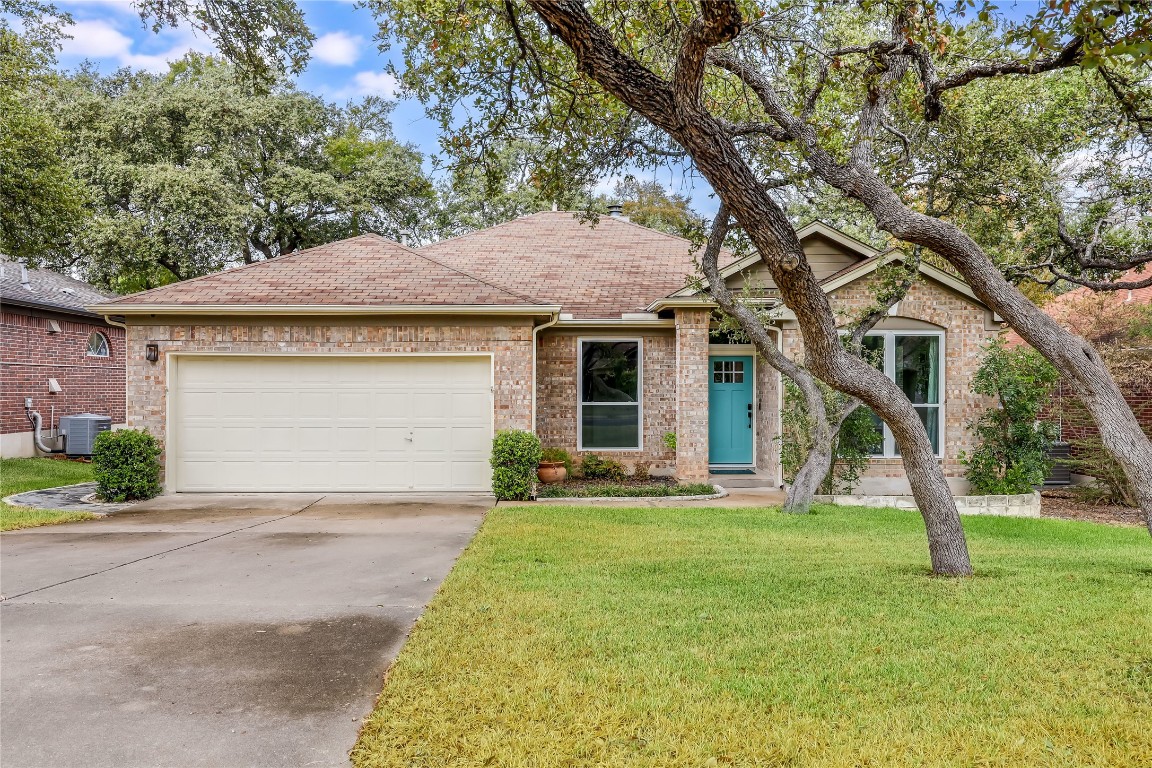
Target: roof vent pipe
615,209
24,281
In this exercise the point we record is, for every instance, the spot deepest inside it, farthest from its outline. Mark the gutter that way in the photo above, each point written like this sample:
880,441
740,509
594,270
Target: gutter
324,309
535,330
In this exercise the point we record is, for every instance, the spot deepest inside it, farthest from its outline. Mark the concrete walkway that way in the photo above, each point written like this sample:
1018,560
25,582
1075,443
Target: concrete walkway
68,498
211,630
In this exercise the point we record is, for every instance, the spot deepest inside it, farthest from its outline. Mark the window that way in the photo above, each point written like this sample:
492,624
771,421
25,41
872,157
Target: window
97,345
913,361
609,404
728,371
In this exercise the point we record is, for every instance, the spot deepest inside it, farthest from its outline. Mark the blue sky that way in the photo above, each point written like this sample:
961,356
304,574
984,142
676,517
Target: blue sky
345,64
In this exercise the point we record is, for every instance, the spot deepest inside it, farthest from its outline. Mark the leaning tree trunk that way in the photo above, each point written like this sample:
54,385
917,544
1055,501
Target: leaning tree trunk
675,109
1070,354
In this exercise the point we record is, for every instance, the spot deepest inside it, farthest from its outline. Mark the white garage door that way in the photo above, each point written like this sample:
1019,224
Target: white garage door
331,423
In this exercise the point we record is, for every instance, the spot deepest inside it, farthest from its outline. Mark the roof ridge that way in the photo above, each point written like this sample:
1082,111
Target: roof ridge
485,229
230,270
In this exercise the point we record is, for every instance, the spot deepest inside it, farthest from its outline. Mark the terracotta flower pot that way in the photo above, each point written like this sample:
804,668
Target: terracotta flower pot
552,472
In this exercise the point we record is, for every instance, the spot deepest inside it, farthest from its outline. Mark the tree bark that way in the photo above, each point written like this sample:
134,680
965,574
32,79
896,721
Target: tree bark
677,111
1069,353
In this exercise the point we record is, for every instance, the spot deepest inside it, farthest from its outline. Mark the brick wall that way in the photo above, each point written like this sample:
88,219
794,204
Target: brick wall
509,341
557,360
692,394
29,356
965,336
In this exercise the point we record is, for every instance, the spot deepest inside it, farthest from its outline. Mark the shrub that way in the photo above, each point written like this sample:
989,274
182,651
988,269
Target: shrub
642,471
557,454
669,440
595,468
515,457
855,441
626,491
1112,484
126,464
1011,454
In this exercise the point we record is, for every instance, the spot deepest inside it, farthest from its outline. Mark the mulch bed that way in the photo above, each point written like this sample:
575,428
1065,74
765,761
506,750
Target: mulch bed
577,484
1065,505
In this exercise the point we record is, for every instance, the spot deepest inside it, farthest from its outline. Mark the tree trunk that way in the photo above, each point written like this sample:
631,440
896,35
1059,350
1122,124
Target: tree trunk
675,109
816,467
1070,354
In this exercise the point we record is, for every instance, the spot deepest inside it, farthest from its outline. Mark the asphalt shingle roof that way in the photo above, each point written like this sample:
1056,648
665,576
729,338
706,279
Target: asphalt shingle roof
592,271
47,289
368,270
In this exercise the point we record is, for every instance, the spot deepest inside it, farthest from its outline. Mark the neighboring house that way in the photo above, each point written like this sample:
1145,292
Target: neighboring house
364,365
1103,317
65,358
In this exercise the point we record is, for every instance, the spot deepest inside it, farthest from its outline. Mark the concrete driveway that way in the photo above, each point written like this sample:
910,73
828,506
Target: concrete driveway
209,630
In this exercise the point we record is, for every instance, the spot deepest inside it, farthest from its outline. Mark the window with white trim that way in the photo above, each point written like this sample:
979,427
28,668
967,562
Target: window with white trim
915,361
97,345
609,394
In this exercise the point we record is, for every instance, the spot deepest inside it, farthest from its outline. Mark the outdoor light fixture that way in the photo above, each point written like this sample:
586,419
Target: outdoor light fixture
152,352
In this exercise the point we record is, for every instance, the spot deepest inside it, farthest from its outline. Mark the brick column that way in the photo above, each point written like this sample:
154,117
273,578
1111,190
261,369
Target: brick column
692,394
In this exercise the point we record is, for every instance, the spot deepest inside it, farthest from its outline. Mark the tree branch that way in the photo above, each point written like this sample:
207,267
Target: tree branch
719,21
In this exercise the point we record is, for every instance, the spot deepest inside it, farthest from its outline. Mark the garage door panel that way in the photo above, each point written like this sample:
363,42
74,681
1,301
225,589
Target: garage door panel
327,423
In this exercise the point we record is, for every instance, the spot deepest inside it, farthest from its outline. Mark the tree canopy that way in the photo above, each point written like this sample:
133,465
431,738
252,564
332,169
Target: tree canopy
191,171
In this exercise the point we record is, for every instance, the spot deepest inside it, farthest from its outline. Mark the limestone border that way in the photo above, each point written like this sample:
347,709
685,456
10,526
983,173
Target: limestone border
1015,505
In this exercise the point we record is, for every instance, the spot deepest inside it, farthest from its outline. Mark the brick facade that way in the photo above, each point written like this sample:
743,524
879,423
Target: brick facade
558,361
30,355
692,394
965,334
509,341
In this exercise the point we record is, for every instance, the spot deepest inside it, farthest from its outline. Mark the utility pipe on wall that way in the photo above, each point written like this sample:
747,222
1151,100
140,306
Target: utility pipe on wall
535,374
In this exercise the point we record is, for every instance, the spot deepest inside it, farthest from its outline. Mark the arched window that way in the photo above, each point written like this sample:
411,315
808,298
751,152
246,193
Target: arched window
97,345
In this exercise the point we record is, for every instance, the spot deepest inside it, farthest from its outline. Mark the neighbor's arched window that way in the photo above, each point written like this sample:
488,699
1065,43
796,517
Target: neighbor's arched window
97,345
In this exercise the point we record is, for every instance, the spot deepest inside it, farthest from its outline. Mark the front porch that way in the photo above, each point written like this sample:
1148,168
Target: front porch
661,393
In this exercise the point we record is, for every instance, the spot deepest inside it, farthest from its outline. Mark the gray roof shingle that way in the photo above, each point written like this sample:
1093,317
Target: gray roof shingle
47,289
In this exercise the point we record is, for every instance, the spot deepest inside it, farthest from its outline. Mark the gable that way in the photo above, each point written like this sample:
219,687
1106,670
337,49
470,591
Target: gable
824,255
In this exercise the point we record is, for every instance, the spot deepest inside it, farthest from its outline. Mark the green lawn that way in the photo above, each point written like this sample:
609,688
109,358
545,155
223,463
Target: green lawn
588,636
19,475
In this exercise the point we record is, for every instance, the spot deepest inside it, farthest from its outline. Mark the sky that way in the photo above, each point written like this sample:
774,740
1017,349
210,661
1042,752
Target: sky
345,64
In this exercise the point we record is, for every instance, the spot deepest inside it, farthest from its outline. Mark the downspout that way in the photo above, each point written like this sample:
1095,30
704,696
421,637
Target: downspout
108,319
555,319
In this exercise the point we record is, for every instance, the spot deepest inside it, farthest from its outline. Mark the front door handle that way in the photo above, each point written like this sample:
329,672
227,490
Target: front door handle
749,415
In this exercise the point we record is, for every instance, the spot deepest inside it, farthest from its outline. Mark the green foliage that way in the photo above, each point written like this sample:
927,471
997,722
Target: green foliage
40,202
1112,484
561,490
642,471
558,454
669,440
856,440
1011,455
126,465
192,171
515,458
594,467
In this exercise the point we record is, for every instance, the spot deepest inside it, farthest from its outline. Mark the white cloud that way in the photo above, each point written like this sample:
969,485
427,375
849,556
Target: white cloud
338,48
96,40
99,40
367,84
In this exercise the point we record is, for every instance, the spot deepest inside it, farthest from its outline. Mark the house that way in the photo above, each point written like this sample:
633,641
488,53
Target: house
364,365
1103,318
56,353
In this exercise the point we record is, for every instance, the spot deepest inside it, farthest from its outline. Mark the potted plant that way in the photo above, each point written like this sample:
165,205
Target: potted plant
554,464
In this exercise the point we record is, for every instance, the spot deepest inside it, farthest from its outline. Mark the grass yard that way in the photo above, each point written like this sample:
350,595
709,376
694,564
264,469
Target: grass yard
588,636
19,475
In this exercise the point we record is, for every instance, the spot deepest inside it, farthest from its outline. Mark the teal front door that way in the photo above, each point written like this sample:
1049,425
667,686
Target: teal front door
730,410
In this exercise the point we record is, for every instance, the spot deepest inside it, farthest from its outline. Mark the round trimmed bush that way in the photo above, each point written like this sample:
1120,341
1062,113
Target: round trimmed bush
515,457
126,464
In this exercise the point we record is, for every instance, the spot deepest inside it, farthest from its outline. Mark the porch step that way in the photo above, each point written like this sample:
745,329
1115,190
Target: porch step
743,481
